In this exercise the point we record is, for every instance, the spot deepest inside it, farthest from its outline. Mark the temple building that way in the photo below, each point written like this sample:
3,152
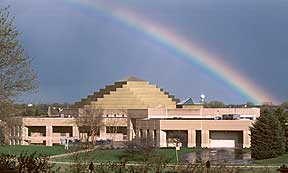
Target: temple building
134,109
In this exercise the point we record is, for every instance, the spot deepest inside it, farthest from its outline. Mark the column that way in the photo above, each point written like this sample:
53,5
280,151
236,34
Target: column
49,133
191,138
137,134
163,142
24,135
103,132
130,130
13,131
246,139
148,132
75,133
10,131
205,138
152,137
144,133
18,128
157,138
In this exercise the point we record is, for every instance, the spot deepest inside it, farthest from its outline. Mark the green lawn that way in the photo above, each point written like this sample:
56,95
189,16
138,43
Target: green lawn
281,160
114,155
45,150
170,153
96,156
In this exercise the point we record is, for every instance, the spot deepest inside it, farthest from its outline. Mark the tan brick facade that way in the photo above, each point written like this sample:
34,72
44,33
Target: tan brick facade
138,109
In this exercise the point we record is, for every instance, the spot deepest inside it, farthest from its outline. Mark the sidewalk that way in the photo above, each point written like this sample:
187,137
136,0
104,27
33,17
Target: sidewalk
72,153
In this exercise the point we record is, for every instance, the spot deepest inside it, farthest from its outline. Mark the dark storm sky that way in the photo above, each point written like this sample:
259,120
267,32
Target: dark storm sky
77,50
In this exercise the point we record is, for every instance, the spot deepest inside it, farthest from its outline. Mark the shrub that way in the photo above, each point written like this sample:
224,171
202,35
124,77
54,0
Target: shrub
26,163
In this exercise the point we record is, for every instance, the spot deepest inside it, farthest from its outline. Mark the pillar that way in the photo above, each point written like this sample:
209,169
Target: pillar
148,134
157,138
103,132
24,135
18,128
144,133
49,133
13,131
162,138
137,134
191,138
246,139
205,138
75,133
152,135
130,130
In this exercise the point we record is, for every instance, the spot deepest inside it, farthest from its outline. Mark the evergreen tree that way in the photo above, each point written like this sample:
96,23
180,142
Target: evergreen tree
283,118
267,136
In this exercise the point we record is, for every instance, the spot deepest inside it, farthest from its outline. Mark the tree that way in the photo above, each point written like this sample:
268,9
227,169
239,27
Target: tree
139,150
90,122
16,74
214,104
284,105
250,105
26,163
283,118
267,136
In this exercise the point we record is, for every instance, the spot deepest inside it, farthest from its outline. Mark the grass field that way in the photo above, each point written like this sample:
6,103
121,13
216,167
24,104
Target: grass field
44,150
281,160
115,155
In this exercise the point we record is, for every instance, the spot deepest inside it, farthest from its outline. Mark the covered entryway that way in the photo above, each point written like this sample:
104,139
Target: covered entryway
226,139
175,136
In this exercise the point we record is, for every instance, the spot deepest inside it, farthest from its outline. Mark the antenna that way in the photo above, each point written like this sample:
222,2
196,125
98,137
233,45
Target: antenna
202,97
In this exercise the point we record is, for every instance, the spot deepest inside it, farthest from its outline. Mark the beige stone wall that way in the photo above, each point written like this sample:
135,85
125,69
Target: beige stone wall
50,137
200,113
205,124
192,125
131,119
125,103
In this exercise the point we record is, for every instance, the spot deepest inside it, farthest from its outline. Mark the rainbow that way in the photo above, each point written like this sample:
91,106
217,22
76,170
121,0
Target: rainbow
184,48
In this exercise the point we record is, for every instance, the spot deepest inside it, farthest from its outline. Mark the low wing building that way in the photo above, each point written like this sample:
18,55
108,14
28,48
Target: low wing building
133,109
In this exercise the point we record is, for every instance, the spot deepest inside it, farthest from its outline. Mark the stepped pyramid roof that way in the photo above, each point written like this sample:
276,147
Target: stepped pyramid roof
133,78
132,93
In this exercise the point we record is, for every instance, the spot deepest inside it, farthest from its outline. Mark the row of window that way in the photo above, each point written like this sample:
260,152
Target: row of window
116,115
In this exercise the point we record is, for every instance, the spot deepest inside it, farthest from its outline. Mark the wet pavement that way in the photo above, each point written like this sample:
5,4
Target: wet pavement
219,156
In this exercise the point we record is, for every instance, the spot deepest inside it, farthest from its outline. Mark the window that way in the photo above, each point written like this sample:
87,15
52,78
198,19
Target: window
62,134
115,129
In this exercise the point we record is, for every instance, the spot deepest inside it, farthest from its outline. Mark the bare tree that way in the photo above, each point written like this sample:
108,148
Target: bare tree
16,74
90,123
